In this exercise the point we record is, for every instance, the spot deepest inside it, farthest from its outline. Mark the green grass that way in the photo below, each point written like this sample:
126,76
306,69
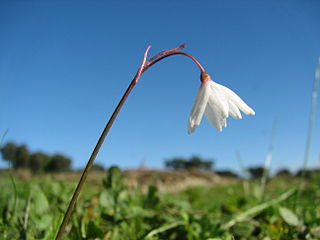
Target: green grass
33,209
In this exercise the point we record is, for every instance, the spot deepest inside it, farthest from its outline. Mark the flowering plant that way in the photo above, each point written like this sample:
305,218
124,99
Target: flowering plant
214,100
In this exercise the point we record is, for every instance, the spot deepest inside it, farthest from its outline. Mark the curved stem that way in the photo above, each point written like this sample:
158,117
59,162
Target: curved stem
167,52
175,53
143,67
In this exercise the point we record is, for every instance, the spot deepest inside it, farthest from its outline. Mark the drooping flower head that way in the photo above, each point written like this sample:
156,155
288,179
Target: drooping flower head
217,103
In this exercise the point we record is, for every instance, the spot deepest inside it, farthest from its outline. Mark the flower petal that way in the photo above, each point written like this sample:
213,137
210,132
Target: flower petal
217,100
198,107
216,119
217,109
235,99
234,111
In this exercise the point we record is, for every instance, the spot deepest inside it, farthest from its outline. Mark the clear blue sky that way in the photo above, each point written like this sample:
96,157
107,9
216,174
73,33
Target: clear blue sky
65,64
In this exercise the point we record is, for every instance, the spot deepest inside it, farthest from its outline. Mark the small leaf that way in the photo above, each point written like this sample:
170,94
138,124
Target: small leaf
243,229
106,199
41,204
55,188
152,197
289,217
114,179
44,222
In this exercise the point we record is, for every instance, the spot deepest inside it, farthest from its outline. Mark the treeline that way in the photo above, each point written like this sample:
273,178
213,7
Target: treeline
257,172
194,162
20,157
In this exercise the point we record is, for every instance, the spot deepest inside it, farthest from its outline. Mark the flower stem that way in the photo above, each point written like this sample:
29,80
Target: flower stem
167,52
143,67
176,53
97,148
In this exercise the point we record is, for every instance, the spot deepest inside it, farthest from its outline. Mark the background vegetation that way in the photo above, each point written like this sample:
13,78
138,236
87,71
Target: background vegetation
20,157
287,207
234,210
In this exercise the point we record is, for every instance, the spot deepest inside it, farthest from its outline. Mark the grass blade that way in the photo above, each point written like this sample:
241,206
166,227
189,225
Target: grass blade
268,159
163,228
255,210
314,96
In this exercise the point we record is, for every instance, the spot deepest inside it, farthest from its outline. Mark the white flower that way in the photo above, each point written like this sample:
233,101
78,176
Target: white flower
217,103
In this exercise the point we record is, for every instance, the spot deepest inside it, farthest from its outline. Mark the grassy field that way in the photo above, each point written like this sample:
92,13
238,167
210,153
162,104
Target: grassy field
108,209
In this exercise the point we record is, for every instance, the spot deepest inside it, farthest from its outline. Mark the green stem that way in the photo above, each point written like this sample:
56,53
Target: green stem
314,96
267,162
15,194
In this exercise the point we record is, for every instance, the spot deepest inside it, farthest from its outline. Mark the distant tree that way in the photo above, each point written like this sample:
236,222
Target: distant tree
256,172
38,161
308,173
17,155
227,173
197,163
58,163
283,173
22,157
176,163
194,162
8,152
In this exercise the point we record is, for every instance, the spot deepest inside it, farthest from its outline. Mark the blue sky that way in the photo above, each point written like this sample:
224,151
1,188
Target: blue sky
65,64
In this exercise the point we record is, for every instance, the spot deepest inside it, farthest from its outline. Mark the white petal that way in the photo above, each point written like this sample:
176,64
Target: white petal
214,118
235,99
217,109
198,107
234,111
218,101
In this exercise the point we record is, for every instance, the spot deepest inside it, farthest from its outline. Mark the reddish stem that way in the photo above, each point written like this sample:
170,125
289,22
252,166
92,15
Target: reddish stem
167,52
143,67
174,53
